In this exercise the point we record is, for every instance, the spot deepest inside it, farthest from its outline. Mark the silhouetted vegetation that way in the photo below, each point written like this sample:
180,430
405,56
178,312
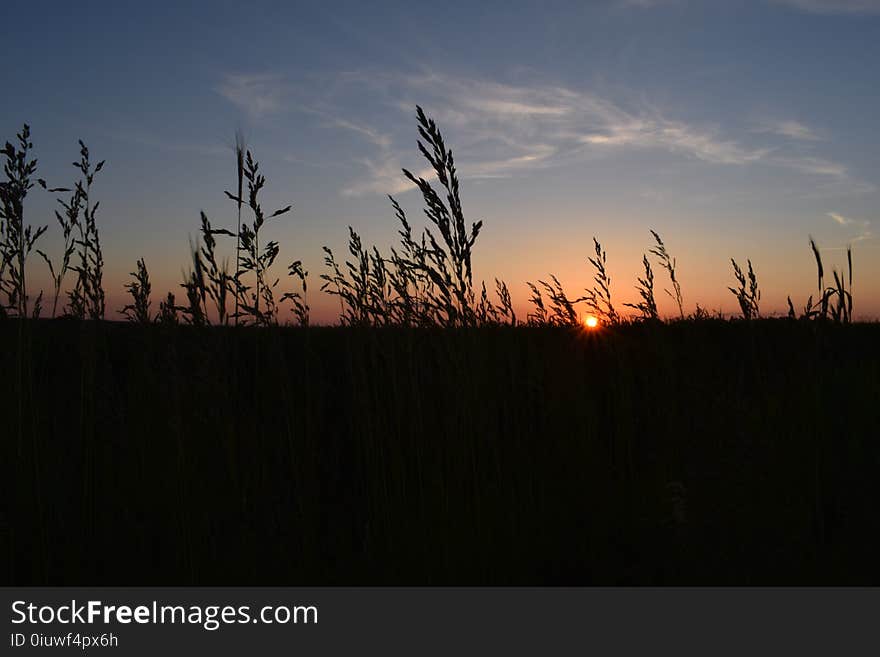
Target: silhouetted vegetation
647,306
17,239
425,281
695,452
668,263
747,294
434,437
139,289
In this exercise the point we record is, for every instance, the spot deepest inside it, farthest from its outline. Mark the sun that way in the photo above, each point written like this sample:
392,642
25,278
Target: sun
591,322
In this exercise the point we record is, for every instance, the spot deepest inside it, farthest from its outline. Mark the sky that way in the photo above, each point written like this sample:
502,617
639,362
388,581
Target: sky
736,129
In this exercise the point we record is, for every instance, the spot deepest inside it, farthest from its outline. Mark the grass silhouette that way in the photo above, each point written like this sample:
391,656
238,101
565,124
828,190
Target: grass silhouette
702,451
432,438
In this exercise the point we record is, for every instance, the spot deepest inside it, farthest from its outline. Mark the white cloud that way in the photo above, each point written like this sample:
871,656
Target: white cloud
502,129
384,177
502,106
676,137
811,6
374,136
790,129
864,235
834,6
864,229
795,130
840,219
814,165
644,4
331,118
254,94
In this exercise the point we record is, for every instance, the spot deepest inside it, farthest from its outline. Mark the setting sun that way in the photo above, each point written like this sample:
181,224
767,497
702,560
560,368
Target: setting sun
591,322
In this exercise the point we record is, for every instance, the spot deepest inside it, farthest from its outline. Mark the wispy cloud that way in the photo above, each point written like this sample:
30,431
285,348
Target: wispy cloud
789,129
834,6
676,137
840,219
814,165
255,94
370,134
812,6
507,129
863,228
384,177
502,130
530,127
644,4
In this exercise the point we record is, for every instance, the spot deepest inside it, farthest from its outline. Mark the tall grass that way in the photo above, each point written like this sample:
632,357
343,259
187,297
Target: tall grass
87,299
139,288
448,259
668,263
255,259
298,298
599,297
17,238
561,311
414,454
364,288
647,307
702,453
425,280
834,302
747,293
67,221
240,149
216,277
211,287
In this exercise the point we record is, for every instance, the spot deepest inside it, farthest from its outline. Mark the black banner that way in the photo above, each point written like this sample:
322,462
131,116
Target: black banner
447,621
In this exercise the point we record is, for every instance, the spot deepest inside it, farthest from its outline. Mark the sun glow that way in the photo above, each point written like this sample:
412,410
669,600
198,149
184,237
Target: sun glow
591,322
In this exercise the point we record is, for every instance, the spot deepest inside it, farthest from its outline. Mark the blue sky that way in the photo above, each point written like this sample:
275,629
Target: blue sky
735,129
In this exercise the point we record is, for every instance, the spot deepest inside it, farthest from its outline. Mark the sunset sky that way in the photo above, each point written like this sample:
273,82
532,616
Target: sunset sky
735,129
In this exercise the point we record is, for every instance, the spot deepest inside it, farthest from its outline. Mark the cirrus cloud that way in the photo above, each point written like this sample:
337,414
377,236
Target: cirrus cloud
834,6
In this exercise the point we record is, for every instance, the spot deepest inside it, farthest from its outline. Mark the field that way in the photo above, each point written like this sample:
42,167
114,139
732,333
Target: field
700,451
432,436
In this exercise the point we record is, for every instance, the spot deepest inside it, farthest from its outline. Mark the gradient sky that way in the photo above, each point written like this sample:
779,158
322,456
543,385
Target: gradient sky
735,129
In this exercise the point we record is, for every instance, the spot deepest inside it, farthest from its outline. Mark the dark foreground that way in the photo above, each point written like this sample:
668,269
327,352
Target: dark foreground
694,453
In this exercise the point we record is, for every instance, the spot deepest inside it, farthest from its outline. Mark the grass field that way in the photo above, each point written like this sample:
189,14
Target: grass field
689,452
432,437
